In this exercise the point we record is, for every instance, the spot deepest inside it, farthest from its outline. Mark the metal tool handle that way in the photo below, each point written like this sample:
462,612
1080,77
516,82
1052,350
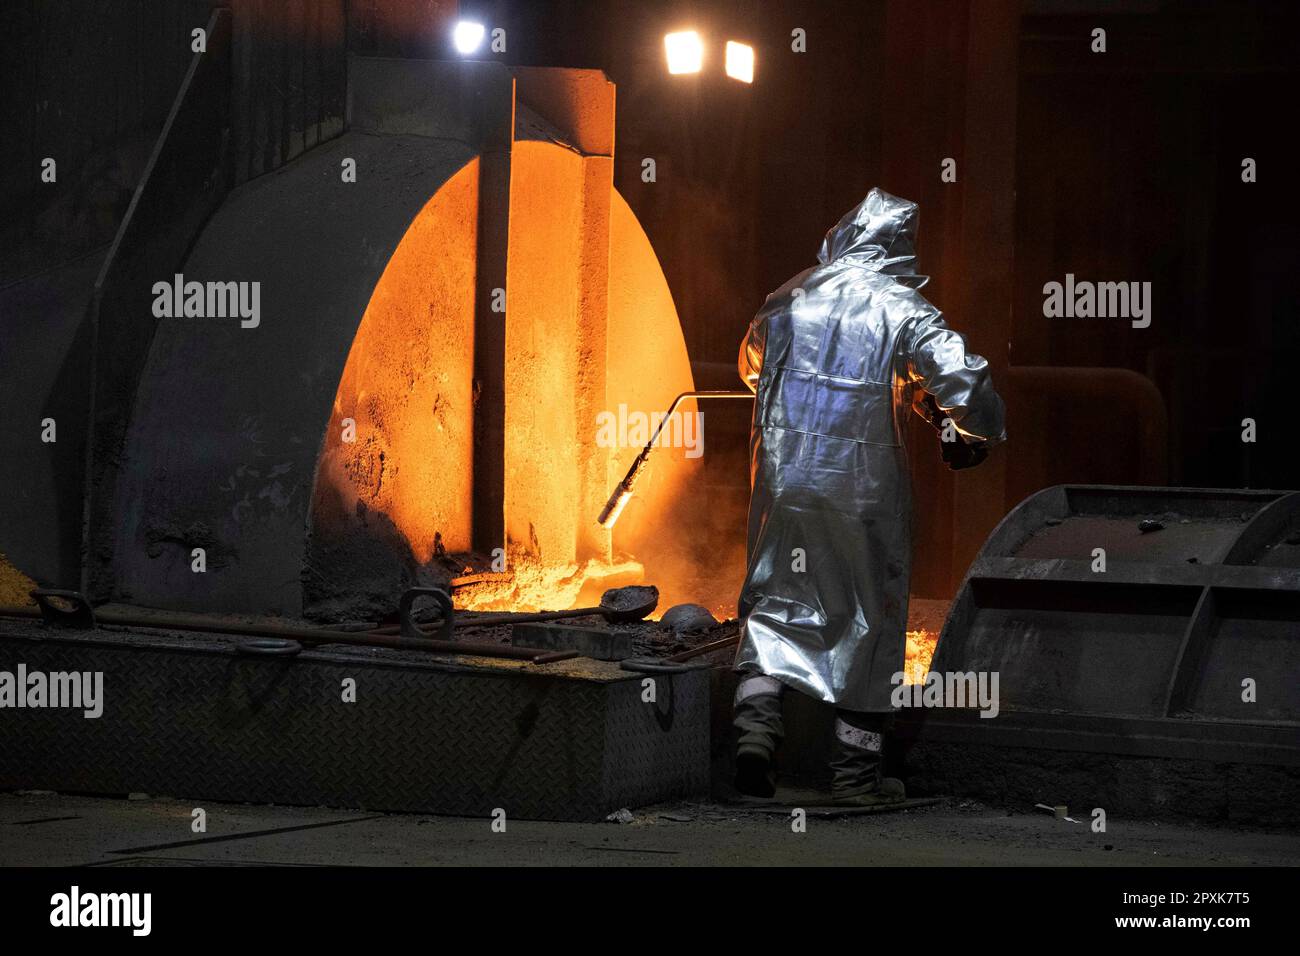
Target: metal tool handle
623,490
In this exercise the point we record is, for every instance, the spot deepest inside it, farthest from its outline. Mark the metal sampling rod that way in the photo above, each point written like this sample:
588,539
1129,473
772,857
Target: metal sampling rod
623,491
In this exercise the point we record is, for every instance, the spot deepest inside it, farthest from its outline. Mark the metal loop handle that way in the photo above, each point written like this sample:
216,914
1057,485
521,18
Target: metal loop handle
644,665
406,608
269,647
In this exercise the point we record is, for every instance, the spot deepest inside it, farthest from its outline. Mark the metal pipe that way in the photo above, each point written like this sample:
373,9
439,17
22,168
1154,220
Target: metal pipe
703,649
552,656
305,635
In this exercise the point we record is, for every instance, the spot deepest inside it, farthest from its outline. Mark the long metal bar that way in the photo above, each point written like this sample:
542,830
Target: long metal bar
495,620
703,649
304,635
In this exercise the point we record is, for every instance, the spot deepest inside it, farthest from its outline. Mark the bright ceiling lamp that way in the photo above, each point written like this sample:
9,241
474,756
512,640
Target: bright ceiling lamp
467,36
740,61
685,52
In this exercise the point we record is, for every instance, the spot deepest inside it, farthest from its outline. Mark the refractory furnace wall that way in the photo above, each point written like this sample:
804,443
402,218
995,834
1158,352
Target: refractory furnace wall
395,478
543,337
478,281
229,422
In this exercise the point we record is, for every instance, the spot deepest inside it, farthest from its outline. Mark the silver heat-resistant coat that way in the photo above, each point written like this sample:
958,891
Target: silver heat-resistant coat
836,356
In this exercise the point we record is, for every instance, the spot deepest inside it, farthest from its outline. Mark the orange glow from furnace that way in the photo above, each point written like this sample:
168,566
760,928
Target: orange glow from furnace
920,651
399,447
398,457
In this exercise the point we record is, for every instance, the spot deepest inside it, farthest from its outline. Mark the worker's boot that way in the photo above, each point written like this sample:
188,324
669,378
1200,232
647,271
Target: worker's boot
758,720
858,752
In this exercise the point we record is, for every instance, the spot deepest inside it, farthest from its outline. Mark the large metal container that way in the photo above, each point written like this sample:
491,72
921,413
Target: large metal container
1160,624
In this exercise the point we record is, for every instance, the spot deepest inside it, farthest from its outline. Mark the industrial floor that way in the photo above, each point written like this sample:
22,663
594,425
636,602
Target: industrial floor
47,829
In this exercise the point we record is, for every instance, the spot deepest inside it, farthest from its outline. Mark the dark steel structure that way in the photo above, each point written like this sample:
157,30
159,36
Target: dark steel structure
191,716
1184,645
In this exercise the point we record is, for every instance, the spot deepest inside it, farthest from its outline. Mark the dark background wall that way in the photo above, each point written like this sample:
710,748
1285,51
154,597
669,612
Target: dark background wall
1129,166
90,85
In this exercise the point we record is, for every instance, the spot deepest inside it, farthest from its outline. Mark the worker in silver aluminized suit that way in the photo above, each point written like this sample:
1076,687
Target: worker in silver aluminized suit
836,357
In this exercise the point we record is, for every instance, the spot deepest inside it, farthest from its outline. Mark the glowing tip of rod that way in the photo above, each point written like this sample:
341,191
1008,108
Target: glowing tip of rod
614,507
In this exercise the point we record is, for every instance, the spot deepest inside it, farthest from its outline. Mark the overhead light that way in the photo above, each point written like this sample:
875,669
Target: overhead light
467,36
685,52
740,61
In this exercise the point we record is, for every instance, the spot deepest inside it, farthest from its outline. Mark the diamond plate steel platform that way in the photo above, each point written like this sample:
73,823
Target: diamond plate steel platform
186,716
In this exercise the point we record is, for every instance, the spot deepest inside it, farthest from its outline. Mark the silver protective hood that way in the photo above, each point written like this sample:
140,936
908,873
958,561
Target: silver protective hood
836,356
